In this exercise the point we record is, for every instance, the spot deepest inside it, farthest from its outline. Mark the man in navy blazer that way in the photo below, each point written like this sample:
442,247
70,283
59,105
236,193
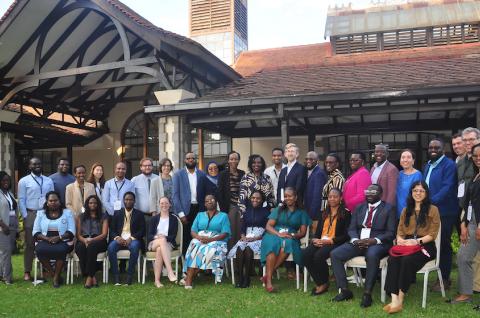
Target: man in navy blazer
316,178
371,231
185,195
293,175
126,236
440,173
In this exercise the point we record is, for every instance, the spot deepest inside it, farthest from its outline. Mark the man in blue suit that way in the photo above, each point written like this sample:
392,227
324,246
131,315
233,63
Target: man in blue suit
185,195
293,175
440,173
316,179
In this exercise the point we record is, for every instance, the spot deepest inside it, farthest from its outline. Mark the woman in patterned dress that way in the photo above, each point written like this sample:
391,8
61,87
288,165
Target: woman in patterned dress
208,248
255,180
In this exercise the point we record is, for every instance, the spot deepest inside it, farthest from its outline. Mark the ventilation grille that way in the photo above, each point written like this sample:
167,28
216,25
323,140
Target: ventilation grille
209,15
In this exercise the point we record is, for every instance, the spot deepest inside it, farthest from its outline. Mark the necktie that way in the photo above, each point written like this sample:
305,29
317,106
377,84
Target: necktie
368,223
149,182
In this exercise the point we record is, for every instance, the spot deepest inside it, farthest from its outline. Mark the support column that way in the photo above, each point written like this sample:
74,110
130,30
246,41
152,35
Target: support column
311,142
70,157
285,134
200,148
478,115
7,153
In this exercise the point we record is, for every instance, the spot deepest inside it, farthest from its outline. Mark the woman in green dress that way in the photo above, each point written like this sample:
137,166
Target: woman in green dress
287,224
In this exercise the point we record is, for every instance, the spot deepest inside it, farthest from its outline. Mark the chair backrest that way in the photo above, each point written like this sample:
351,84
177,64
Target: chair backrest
437,245
179,237
304,240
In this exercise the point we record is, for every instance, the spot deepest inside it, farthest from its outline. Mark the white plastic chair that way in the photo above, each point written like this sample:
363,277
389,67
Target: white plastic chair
125,255
358,262
175,254
433,265
101,257
38,265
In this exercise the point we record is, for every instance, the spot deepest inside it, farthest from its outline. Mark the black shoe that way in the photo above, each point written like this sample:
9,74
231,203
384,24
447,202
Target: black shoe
315,293
345,294
366,300
129,280
116,280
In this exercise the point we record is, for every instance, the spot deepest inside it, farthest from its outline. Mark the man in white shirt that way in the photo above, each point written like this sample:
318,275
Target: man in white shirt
142,184
274,171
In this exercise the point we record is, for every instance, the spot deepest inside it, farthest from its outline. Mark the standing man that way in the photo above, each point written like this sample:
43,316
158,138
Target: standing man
458,147
440,173
62,178
385,174
142,184
371,231
31,197
127,230
274,171
115,189
185,199
466,173
293,175
316,179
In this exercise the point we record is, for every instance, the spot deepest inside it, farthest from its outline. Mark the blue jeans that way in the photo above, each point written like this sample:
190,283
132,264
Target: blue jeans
134,249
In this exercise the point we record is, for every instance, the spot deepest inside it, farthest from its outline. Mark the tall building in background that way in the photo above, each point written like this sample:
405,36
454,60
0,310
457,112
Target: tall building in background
220,26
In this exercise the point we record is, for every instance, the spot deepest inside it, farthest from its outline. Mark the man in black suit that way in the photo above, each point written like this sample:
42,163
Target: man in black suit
293,175
371,231
127,229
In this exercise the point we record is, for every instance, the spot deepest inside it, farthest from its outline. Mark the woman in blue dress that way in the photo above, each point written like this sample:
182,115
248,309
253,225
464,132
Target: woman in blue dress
287,224
406,178
208,248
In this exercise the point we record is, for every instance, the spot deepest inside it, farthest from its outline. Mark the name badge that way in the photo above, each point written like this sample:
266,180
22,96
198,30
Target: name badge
126,235
283,230
469,212
461,189
41,202
12,213
282,194
83,209
117,205
325,237
365,233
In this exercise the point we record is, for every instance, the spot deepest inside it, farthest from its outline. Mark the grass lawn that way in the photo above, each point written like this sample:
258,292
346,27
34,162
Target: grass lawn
206,300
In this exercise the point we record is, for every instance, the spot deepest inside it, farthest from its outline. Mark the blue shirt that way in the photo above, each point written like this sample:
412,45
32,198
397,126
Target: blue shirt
432,166
63,224
31,192
404,183
115,190
219,224
60,183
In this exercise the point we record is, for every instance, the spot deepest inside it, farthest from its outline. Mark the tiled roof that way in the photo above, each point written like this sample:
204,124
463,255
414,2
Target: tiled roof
378,71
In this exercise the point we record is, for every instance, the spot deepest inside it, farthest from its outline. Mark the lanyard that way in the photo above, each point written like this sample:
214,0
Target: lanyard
99,189
36,181
9,200
331,219
118,189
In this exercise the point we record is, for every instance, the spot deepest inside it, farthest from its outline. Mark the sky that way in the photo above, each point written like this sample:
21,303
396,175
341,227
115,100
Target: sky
271,23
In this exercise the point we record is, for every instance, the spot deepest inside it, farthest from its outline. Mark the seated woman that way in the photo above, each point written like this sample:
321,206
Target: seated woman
92,231
287,224
54,230
418,227
253,226
332,231
161,239
208,248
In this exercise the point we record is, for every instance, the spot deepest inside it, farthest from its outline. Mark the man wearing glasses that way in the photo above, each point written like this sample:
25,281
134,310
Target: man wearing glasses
371,231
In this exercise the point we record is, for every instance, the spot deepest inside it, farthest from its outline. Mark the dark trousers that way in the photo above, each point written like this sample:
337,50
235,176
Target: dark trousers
47,251
448,223
88,256
315,260
187,228
347,251
402,271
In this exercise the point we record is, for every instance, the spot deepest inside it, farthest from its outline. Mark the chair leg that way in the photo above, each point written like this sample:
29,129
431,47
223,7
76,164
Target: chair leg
176,266
278,274
233,271
305,279
68,271
138,269
226,268
35,270
383,294
425,288
297,275
144,270
440,279
264,270
104,278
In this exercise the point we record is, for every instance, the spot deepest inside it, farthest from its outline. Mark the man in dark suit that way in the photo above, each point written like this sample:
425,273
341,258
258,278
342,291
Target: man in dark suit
440,173
293,175
127,229
186,195
371,231
316,178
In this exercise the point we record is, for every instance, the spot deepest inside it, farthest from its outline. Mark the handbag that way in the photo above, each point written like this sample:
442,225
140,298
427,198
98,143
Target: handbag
404,250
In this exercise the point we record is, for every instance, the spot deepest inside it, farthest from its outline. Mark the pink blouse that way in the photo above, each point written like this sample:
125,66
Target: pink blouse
356,184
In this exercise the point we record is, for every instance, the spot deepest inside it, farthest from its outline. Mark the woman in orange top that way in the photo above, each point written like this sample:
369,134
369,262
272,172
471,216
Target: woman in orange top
332,231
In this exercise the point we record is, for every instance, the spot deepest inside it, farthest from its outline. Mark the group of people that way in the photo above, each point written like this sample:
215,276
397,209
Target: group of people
230,213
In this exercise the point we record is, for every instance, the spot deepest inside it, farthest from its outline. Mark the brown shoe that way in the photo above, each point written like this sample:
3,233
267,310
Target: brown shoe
436,286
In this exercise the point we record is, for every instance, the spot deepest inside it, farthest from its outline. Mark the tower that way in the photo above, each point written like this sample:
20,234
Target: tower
220,26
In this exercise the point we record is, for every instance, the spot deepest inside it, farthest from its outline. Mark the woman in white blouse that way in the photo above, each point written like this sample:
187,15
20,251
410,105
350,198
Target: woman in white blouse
161,238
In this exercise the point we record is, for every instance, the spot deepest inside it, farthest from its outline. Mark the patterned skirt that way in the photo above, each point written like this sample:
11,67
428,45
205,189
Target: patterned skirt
206,256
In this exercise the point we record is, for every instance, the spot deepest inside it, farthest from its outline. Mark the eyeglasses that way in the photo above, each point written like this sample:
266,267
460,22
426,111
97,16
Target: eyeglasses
370,192
469,139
